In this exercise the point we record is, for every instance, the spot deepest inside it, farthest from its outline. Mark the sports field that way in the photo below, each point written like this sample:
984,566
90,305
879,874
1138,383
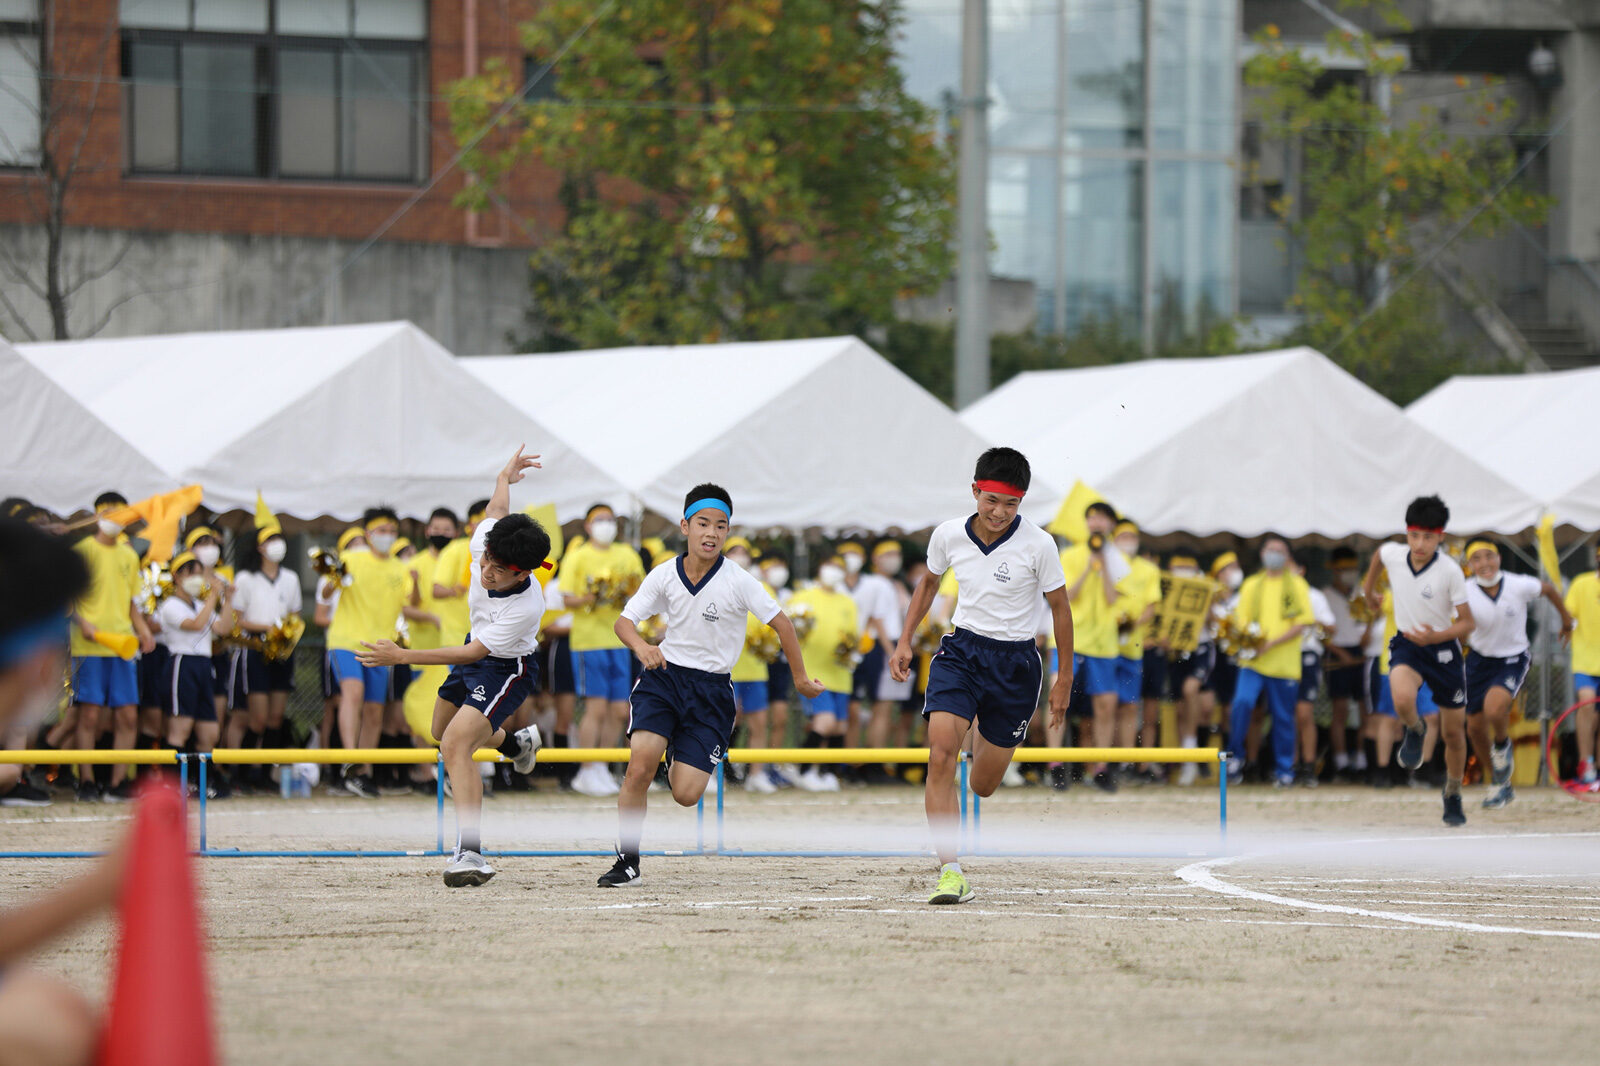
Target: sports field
1342,924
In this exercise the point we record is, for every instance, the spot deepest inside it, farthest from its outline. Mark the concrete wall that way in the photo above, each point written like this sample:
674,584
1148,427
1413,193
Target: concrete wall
469,299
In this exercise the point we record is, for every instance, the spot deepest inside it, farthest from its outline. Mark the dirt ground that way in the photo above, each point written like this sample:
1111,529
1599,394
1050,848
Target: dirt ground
1341,924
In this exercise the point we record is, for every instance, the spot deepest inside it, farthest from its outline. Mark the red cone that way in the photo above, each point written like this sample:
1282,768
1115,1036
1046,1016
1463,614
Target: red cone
160,1010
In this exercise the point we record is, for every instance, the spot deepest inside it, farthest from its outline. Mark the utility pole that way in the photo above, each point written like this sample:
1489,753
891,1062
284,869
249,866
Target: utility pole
972,265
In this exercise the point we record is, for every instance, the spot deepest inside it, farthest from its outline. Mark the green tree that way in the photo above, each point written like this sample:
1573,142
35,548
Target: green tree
731,169
1379,199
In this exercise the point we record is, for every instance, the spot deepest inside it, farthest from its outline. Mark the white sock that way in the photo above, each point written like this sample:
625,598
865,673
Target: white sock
1340,760
1361,760
1188,741
950,868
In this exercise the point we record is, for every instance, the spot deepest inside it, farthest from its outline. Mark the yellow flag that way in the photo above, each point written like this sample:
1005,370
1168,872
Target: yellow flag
1549,561
265,519
1068,521
161,516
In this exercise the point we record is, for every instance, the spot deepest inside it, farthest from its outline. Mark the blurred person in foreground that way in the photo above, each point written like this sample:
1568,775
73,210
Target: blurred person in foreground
43,1020
1583,601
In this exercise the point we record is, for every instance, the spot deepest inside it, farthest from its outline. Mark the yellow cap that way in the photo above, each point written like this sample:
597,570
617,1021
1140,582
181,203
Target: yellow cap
349,535
400,544
850,546
197,532
1222,562
266,533
183,559
737,542
1124,526
883,547
1183,560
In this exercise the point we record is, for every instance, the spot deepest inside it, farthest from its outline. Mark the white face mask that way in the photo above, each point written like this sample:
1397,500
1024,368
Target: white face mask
889,564
1274,560
1128,546
208,554
830,576
274,551
194,584
381,542
1233,578
777,576
109,528
741,560
1487,582
852,563
602,531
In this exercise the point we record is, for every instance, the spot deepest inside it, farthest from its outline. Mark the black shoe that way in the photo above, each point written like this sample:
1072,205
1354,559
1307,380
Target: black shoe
1059,779
1410,756
360,785
1304,777
88,792
1453,814
1106,781
23,794
1383,778
218,789
625,871
121,794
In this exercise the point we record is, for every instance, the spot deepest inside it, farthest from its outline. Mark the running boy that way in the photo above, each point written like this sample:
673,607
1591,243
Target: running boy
987,673
1427,587
493,672
682,705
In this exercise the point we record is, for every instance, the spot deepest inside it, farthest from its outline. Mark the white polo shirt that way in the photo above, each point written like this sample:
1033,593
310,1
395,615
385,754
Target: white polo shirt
1347,632
1322,614
1001,583
875,598
172,613
1502,629
262,601
506,623
1426,597
705,621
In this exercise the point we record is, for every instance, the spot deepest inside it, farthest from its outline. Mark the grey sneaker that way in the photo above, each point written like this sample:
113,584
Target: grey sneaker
468,871
528,741
1498,798
1410,756
1501,762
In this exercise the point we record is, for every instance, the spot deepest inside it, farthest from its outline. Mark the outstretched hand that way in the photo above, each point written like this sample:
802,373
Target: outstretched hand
514,471
809,687
382,653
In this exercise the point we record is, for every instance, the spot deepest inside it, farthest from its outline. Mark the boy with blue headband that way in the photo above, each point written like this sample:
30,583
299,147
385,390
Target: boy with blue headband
682,705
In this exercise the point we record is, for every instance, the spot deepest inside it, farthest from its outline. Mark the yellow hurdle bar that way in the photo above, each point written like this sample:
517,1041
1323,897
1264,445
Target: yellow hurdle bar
65,757
413,756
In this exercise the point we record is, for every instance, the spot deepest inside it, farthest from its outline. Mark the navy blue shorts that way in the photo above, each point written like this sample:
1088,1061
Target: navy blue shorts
1197,664
555,666
152,668
693,709
189,688
864,683
1485,672
995,683
1223,680
400,678
1153,683
252,673
330,684
1346,682
492,686
780,681
1441,666
1310,676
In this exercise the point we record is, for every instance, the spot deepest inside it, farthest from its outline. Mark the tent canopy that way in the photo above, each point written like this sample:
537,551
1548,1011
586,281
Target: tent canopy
323,421
1523,427
59,454
807,433
1244,444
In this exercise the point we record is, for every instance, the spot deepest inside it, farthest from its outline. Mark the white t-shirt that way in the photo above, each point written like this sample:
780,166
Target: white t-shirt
1001,583
1322,614
1347,632
172,613
1502,629
875,598
705,622
1426,597
506,623
262,601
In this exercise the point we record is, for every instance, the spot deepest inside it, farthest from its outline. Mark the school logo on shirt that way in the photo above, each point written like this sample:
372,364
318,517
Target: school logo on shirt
1427,592
710,613
1002,573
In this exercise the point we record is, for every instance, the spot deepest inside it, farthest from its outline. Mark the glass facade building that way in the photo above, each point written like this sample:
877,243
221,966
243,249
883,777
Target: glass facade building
1112,148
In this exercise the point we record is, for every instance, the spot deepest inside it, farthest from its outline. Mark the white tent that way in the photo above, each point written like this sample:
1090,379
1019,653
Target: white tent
1242,444
1528,428
804,433
324,421
55,452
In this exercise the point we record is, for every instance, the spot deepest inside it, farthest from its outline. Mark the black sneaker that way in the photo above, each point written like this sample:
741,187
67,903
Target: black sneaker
23,794
1106,781
121,794
625,871
88,792
1453,814
360,785
1304,777
1410,756
1060,780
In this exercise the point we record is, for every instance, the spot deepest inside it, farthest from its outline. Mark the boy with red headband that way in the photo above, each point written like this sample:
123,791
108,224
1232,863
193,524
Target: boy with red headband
1431,616
987,673
494,671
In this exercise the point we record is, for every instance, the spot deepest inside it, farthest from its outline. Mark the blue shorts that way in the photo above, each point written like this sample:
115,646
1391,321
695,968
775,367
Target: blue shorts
1310,676
995,683
492,686
190,688
1442,666
1198,665
604,673
152,668
1585,681
1485,672
1099,675
750,696
1426,707
827,702
344,666
693,709
106,681
1130,679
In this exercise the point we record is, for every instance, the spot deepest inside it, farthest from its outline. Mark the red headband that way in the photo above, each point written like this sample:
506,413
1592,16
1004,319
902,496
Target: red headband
546,565
1000,487
1425,529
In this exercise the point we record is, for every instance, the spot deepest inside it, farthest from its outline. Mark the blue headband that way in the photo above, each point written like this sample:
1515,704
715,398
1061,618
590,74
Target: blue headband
710,501
20,643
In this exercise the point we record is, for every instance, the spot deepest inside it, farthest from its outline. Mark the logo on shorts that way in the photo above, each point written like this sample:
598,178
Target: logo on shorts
1002,573
710,613
716,755
1461,697
479,693
1021,729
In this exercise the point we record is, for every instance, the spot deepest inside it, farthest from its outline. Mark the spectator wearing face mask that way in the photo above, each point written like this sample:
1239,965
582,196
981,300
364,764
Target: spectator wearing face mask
265,596
836,622
1345,664
875,607
749,677
1188,673
890,696
1227,573
1313,651
205,544
1094,570
780,682
1278,602
1138,690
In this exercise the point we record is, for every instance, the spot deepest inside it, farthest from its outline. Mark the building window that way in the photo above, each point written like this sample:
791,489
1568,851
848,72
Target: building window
19,83
279,89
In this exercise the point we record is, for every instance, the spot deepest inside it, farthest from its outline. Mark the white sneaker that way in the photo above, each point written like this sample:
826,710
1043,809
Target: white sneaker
468,870
1188,773
593,780
711,784
1013,778
784,774
528,741
758,781
830,781
811,781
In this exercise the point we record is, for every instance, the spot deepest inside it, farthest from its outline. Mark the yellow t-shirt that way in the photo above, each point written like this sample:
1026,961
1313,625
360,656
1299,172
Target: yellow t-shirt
453,567
836,619
1390,628
592,625
370,605
1140,589
1094,618
423,635
113,584
1276,604
1583,603
751,667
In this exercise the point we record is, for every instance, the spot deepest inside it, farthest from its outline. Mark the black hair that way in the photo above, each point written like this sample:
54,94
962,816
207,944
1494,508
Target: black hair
1102,507
1342,554
40,576
518,541
110,499
15,507
185,566
1185,549
774,555
478,506
247,551
1003,464
1273,534
707,491
593,507
374,514
445,512
1429,512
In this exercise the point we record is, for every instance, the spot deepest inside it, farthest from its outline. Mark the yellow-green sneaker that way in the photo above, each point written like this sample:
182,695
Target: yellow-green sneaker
953,888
